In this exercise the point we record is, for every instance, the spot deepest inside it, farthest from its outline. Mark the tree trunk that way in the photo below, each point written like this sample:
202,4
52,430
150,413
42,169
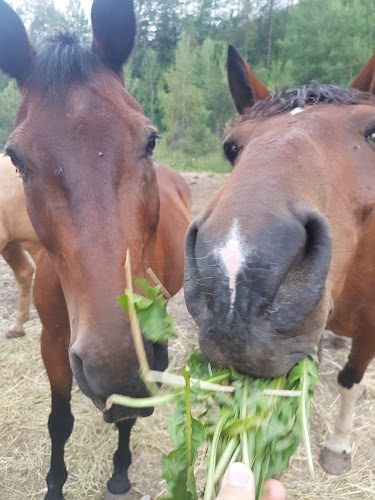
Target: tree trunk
269,34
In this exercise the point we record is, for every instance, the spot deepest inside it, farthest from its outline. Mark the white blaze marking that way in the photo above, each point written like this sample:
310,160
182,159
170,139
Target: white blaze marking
295,111
232,257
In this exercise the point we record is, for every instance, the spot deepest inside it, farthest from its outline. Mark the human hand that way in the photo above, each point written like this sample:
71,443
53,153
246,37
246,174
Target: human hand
238,484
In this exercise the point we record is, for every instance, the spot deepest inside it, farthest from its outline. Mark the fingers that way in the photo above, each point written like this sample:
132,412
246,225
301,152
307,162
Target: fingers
273,490
238,484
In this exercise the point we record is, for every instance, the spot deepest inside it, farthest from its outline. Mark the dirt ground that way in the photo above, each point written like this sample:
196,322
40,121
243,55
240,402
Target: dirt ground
24,409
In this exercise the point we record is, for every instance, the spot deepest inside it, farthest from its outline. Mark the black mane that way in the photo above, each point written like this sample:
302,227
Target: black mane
301,97
61,60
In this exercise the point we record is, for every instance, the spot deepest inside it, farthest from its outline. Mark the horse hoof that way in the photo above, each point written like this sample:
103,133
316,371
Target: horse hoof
10,334
335,463
121,496
54,496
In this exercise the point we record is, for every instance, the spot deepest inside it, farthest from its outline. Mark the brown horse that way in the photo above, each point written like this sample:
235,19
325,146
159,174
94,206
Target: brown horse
84,150
287,245
17,236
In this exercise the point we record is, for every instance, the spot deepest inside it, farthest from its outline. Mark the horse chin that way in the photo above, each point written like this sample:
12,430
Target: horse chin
118,413
261,352
265,366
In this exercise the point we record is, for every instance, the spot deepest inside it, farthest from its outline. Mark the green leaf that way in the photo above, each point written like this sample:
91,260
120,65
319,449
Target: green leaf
150,309
240,425
176,475
198,366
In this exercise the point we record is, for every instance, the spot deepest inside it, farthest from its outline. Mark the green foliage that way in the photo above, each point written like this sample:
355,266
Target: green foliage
263,430
178,465
267,429
40,17
212,73
150,309
185,113
9,100
329,40
76,20
277,77
211,161
145,88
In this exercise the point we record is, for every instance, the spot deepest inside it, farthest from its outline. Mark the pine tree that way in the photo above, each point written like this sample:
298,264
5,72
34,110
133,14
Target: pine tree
329,40
186,115
77,21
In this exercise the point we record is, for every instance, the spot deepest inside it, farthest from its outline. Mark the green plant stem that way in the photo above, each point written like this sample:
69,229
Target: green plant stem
305,422
210,483
136,330
188,414
225,458
118,399
244,441
216,379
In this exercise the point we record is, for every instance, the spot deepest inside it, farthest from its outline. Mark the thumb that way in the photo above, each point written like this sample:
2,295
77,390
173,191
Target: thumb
238,483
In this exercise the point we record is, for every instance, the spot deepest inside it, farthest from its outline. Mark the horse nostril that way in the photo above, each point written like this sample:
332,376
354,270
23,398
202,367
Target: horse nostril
312,228
318,235
79,373
190,242
331,306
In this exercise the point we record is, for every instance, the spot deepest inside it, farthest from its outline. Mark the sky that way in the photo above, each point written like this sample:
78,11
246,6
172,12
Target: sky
61,4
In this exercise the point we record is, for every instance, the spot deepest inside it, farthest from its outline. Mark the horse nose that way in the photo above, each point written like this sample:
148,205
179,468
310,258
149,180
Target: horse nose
83,374
258,273
108,368
258,293
98,374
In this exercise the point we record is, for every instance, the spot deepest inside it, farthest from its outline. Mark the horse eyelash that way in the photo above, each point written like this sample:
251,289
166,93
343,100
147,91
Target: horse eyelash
369,132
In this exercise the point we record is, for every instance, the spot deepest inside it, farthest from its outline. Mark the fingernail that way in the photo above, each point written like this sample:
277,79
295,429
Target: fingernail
237,475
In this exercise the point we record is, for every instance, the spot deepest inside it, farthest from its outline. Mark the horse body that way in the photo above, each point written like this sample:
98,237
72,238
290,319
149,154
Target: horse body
287,245
175,203
83,148
16,236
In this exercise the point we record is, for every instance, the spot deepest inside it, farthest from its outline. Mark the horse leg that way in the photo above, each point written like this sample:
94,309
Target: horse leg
335,457
50,303
118,487
23,270
60,421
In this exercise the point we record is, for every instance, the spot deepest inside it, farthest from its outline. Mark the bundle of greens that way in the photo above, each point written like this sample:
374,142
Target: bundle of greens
257,421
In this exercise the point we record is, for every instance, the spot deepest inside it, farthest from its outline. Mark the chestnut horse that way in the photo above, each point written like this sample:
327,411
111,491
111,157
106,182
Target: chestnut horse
84,150
17,236
287,246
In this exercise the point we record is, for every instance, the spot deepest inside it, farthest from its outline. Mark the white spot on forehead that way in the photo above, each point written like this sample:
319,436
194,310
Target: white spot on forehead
295,111
233,257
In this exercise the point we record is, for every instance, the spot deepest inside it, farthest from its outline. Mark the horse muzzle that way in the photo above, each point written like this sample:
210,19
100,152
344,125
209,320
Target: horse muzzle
259,299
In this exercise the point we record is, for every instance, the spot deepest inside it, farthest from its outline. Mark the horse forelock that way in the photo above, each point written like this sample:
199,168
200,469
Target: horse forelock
304,96
60,61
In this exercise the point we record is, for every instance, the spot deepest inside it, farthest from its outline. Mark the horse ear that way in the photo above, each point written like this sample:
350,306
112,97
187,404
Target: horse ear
113,26
15,49
365,80
245,88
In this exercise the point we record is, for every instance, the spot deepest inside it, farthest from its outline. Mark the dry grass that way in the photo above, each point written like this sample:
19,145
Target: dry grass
24,441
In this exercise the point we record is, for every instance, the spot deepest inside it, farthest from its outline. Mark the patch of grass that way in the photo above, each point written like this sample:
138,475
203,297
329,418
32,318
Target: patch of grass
211,162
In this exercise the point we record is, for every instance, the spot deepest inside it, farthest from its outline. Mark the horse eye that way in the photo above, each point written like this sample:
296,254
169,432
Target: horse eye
231,151
151,144
369,133
17,162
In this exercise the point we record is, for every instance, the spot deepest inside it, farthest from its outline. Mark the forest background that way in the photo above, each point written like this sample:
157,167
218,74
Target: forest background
177,71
